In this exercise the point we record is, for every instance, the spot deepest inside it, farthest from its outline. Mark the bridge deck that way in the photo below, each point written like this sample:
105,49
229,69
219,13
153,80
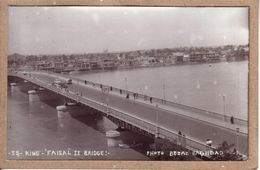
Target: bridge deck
195,126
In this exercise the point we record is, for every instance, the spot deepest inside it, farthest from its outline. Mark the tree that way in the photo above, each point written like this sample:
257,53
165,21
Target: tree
229,153
166,147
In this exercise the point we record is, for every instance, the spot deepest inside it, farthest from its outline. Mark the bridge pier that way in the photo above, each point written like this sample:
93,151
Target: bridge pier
113,138
70,110
62,111
13,87
33,96
18,84
38,95
41,94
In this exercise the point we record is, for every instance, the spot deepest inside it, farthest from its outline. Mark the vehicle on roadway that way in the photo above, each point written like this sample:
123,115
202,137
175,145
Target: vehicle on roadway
57,82
69,81
61,84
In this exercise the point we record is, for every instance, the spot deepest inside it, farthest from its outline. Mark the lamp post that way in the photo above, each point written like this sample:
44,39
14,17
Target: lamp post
125,83
224,106
99,80
237,142
107,103
78,91
164,90
157,122
78,85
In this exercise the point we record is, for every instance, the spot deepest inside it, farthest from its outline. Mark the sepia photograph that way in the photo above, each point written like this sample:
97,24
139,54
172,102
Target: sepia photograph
130,83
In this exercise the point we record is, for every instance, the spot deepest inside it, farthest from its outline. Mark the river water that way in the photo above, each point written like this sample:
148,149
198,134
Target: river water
202,86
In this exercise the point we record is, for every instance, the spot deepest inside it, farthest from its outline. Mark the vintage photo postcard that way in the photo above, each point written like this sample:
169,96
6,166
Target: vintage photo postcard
129,85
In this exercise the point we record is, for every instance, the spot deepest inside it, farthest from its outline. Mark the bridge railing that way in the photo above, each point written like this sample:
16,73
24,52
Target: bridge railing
225,118
151,127
82,93
145,125
163,132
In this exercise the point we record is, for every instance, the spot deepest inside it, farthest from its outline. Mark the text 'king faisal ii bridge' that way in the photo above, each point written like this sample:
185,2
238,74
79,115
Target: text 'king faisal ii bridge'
144,114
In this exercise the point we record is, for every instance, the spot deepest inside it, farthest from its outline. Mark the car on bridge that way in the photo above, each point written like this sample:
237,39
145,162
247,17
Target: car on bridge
60,84
57,82
69,81
24,73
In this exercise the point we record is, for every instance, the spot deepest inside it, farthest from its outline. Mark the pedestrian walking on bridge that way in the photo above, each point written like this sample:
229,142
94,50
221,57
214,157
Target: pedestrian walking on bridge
209,142
179,137
232,120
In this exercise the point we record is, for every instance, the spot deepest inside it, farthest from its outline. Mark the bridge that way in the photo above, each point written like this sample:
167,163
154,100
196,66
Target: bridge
149,115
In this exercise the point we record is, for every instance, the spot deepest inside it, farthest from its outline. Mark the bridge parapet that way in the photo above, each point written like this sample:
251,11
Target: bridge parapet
224,117
162,102
135,121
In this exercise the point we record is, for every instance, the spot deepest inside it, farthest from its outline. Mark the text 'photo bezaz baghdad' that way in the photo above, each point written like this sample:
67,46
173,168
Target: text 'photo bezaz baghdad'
128,83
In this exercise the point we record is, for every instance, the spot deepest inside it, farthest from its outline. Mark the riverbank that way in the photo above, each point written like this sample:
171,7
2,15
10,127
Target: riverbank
144,67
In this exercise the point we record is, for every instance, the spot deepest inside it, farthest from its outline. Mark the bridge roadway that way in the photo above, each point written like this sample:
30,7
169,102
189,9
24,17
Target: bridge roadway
196,130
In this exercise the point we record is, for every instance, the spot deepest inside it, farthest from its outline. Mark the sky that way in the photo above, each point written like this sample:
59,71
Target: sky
76,30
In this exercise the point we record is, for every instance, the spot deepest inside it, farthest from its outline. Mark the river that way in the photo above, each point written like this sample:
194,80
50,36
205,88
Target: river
219,87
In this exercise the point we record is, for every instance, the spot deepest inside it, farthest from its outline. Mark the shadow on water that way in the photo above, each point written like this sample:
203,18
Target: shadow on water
92,119
99,122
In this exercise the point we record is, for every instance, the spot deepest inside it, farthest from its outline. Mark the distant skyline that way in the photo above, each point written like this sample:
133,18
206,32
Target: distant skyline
70,30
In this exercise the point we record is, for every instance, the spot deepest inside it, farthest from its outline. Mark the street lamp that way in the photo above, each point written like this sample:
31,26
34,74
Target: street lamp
224,106
78,85
237,130
157,122
99,79
141,90
107,103
164,90
125,83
